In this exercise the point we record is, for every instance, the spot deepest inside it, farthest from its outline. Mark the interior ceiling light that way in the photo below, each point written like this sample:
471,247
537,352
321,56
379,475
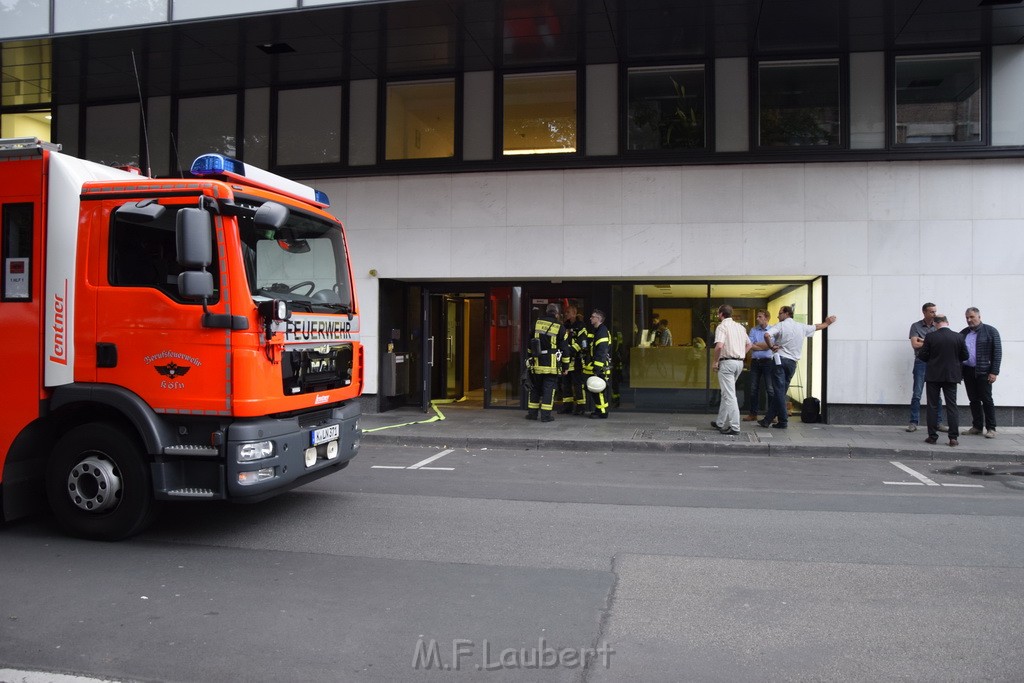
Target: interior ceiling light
276,48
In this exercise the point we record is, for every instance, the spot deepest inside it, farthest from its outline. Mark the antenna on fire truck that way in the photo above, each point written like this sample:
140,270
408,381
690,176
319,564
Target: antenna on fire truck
142,110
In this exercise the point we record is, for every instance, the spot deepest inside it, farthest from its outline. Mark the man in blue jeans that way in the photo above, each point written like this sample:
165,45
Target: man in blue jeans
786,339
762,369
918,331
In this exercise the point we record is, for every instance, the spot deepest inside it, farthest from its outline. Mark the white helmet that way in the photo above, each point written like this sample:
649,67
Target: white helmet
595,384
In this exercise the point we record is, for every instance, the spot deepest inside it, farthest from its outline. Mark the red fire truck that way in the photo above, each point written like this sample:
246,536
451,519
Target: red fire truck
171,339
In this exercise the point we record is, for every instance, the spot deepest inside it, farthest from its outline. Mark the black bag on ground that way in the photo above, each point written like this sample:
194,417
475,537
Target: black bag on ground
810,410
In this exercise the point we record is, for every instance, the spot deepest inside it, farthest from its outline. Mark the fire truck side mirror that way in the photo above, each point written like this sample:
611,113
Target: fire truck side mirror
195,284
194,236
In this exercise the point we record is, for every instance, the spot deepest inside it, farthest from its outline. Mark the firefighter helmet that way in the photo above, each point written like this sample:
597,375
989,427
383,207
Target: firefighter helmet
595,384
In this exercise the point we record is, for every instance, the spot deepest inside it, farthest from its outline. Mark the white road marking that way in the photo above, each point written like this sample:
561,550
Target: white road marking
916,475
23,676
925,481
421,465
431,459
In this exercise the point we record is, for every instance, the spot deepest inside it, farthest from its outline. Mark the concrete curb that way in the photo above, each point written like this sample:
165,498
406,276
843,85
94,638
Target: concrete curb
710,447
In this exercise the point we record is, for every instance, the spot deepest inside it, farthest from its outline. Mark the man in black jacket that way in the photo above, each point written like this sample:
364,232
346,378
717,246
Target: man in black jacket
944,351
981,370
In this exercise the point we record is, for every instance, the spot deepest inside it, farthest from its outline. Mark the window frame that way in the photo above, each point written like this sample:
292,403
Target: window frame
842,62
984,120
707,69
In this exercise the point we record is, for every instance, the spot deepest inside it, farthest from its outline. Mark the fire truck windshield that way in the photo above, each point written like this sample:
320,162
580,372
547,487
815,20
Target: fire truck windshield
303,263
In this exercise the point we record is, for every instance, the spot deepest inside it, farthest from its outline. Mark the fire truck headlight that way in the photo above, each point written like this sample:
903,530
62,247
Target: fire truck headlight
257,450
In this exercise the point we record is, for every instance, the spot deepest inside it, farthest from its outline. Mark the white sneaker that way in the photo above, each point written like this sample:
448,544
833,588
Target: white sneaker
943,428
912,427
990,434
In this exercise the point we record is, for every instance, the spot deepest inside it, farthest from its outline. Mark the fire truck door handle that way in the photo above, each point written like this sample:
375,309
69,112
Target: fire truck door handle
106,355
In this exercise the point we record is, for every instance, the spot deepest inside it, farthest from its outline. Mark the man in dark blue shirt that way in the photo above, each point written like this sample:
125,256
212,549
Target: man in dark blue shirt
760,367
981,369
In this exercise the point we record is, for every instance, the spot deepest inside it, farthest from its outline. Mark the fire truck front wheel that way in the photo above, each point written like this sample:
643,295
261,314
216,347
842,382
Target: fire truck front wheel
98,483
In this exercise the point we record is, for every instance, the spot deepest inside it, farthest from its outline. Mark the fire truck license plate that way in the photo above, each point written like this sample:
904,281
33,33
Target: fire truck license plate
325,434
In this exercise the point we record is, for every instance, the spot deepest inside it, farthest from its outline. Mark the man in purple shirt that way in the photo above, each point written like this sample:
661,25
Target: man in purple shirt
981,369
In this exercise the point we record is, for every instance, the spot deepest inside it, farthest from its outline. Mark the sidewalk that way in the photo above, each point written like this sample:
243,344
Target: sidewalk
451,425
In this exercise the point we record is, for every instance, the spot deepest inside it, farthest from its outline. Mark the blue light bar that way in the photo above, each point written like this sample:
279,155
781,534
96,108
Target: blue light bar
233,169
217,164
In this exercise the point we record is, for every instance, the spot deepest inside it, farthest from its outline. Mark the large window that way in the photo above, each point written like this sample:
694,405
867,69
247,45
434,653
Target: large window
539,114
309,126
421,120
206,125
938,99
799,103
666,108
112,133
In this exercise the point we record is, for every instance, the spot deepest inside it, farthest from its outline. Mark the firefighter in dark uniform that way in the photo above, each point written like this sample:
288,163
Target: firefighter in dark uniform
548,359
598,362
570,384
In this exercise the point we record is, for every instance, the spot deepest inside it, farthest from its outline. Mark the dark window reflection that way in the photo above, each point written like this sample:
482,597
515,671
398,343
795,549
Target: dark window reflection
938,99
666,108
539,30
799,103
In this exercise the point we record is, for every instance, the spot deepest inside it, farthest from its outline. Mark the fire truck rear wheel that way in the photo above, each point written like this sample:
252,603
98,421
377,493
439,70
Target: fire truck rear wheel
98,483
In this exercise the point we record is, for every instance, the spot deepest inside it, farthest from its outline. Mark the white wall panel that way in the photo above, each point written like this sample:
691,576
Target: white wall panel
478,115
998,299
847,370
893,246
479,252
996,189
894,191
770,248
425,253
836,192
655,250
951,294
946,189
837,248
867,100
374,250
523,257
593,197
651,195
372,203
850,301
711,249
424,202
890,369
535,198
773,192
712,194
999,247
895,303
946,248
1007,95
479,199
593,251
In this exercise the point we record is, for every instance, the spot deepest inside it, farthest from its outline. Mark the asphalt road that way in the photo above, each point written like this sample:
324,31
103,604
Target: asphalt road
421,564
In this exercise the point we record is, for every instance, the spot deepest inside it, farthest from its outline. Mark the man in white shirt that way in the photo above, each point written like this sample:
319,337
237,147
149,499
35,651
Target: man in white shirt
786,339
731,346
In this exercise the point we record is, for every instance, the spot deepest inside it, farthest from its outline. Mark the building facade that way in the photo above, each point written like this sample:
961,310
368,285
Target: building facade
643,157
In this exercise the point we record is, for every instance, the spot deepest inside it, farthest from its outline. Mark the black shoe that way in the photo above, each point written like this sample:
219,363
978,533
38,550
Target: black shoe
715,425
531,416
931,439
547,417
733,432
764,423
598,416
780,425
